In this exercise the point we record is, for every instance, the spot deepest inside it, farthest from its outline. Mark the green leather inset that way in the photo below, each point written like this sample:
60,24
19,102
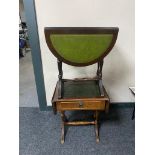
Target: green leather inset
81,48
87,89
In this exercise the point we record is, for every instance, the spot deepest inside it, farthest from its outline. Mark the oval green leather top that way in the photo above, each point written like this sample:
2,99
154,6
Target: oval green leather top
81,48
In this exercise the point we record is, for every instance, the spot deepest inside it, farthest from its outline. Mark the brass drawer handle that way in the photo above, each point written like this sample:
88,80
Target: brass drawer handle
80,104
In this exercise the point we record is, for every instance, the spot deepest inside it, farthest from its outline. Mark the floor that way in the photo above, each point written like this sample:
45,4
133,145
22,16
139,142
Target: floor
27,87
40,134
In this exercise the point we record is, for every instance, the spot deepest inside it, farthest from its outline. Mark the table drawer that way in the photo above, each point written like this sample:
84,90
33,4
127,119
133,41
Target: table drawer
81,105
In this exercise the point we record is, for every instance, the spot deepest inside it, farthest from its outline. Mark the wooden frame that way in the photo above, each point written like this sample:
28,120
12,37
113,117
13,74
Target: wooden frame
80,30
98,78
99,103
65,104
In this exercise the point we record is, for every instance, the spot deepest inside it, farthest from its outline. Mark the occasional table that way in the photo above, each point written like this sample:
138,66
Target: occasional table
80,95
80,47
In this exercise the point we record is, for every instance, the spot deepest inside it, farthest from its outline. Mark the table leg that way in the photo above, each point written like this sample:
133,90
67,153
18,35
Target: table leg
96,126
62,127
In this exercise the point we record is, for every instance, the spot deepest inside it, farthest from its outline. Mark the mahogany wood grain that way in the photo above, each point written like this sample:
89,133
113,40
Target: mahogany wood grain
81,105
80,123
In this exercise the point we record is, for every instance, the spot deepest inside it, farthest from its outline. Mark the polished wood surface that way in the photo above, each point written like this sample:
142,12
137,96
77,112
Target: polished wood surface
80,123
81,105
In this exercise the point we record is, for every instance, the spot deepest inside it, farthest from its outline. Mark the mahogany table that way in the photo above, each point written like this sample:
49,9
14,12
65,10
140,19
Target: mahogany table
80,95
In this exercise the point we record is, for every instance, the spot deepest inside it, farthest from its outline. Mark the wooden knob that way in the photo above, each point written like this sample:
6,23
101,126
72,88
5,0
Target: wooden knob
80,104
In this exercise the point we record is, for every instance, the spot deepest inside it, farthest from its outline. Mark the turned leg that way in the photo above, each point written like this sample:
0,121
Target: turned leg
60,78
96,126
62,127
99,75
99,69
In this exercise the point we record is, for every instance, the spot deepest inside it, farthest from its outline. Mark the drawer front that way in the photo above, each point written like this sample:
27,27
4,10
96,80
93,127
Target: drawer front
81,105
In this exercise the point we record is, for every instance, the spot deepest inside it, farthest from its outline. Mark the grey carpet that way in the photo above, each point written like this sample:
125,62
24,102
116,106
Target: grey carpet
27,87
40,134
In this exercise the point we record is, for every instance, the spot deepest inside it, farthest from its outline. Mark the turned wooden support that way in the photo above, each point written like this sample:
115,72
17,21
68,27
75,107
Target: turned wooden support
96,126
99,75
65,122
80,123
62,127
60,78
99,69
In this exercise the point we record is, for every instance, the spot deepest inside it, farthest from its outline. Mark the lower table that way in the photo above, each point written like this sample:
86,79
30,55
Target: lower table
80,95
